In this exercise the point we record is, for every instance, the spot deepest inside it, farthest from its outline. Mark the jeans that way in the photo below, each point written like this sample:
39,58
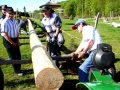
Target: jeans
84,69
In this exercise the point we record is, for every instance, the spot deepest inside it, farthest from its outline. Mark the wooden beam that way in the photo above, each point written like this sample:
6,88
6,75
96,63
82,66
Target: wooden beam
28,37
63,57
15,61
24,43
47,75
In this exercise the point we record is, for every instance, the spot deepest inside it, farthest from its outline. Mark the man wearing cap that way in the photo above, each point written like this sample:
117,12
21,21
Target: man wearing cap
90,39
2,17
10,36
51,24
3,8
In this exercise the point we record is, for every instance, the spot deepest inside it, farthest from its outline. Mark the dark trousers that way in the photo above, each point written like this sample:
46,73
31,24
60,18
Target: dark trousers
24,28
1,80
13,52
54,49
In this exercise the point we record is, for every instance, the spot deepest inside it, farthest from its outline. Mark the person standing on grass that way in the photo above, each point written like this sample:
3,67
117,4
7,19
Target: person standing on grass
22,24
2,17
3,8
90,40
10,36
51,24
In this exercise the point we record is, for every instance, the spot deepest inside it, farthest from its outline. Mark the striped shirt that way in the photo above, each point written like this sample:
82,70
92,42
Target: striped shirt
50,24
10,27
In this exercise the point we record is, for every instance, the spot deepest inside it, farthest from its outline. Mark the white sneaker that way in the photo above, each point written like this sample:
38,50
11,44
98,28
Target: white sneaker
20,74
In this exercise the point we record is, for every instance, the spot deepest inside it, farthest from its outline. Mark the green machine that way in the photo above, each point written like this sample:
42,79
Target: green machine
103,58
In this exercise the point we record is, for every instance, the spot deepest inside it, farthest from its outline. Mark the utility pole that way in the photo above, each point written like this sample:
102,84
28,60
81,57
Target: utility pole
17,13
24,10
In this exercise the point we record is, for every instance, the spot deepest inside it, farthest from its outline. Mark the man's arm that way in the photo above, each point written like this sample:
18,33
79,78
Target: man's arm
80,47
5,35
88,45
18,43
57,32
58,24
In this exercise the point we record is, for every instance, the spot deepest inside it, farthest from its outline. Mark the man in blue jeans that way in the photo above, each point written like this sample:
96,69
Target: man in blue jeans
90,40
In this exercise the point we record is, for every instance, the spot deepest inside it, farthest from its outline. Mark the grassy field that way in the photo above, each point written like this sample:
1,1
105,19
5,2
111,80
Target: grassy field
108,33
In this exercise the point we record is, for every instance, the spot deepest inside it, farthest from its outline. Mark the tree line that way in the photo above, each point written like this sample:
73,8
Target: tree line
89,8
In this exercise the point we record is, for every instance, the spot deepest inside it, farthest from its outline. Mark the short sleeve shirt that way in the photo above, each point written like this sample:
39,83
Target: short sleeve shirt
10,27
89,32
50,24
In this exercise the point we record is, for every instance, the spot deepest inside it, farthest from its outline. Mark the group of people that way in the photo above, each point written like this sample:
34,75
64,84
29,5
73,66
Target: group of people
51,26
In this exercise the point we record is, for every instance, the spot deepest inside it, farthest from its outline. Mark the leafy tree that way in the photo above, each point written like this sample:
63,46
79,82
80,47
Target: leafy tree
70,8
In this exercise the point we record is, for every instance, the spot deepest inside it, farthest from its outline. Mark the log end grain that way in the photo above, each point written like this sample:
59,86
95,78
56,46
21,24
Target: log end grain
49,79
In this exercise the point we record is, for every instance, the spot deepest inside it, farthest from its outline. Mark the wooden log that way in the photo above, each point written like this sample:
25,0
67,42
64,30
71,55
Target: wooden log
47,75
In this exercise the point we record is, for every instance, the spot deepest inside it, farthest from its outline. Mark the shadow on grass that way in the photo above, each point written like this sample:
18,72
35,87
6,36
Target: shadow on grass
13,83
69,85
117,59
66,50
30,71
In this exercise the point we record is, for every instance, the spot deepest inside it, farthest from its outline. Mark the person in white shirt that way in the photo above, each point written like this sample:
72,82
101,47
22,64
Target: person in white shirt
90,40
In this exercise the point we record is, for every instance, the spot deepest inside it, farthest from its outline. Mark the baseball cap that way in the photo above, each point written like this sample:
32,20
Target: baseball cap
45,8
4,7
74,27
10,10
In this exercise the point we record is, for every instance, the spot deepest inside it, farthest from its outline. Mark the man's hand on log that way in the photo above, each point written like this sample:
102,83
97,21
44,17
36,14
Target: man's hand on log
74,57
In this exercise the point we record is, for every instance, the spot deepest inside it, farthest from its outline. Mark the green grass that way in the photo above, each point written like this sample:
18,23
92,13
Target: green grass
108,33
